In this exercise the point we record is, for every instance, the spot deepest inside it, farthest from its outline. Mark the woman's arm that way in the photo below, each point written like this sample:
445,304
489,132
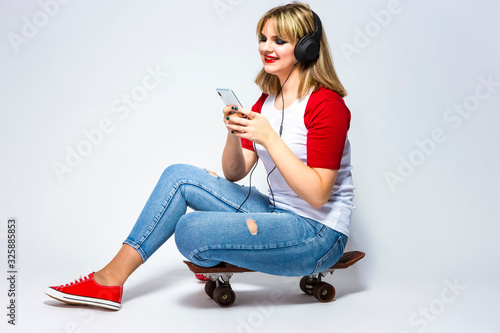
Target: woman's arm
236,161
313,185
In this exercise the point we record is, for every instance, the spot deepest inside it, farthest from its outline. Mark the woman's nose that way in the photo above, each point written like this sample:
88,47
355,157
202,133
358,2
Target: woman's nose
266,46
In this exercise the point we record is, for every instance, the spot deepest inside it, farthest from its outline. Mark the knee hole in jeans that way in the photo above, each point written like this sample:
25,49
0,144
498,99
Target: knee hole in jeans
211,172
252,226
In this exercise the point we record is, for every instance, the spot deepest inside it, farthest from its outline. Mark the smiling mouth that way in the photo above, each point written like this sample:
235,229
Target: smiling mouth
270,60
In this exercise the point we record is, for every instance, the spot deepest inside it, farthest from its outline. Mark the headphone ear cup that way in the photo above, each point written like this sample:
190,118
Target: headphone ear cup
307,49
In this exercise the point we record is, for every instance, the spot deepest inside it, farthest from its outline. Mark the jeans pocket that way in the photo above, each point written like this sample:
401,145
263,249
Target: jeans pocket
332,256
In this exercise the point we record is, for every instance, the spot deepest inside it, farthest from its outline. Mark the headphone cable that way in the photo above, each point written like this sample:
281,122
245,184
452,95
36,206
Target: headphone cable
255,148
281,131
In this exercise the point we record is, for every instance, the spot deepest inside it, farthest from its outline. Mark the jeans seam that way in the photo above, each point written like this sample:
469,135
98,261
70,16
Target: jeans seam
320,261
176,188
138,248
229,203
236,247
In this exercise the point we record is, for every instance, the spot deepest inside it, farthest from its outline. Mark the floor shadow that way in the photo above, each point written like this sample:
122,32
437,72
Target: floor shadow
250,288
159,282
62,305
248,299
266,289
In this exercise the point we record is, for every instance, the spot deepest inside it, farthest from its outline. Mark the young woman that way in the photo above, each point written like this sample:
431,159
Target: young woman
298,129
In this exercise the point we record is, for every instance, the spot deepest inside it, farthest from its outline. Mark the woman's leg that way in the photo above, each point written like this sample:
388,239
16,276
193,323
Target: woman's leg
280,243
179,187
116,272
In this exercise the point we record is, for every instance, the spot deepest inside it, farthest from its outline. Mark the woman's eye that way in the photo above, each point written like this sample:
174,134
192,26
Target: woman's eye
263,39
280,41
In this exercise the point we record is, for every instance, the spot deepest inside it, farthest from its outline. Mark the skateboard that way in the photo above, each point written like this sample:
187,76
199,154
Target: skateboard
219,289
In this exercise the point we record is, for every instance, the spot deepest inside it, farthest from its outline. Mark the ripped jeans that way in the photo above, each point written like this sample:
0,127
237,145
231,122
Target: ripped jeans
279,243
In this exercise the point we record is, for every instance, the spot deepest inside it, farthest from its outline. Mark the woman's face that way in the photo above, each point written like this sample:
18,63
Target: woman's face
276,53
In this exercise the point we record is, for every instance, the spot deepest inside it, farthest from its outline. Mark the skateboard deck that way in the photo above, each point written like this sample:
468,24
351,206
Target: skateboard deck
219,289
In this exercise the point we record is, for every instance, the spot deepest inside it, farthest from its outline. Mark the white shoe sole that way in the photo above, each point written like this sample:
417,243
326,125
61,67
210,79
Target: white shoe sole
74,299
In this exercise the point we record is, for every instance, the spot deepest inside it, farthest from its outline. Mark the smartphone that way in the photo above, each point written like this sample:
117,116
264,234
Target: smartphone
228,97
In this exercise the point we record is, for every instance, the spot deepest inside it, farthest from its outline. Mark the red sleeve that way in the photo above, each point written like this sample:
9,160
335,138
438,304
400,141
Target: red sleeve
327,120
257,107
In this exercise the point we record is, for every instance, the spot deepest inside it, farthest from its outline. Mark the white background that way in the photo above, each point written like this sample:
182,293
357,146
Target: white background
436,226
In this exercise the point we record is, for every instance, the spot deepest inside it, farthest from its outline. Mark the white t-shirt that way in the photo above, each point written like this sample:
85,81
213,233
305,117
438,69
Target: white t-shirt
315,130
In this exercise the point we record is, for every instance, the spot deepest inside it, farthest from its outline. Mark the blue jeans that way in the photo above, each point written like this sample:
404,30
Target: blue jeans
285,243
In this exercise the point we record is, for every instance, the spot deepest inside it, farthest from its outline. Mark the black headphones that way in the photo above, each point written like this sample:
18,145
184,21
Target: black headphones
307,49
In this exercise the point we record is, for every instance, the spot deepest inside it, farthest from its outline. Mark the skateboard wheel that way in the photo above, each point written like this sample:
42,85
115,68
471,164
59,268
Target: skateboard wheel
210,287
324,292
224,296
303,283
307,284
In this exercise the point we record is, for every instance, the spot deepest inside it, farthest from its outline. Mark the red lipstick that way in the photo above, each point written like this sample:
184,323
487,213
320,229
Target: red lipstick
269,59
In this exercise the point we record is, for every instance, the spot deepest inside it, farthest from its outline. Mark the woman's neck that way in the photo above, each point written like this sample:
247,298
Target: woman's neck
289,91
290,83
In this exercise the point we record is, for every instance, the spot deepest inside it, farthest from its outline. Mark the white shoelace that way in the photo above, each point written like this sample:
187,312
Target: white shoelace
77,280
80,278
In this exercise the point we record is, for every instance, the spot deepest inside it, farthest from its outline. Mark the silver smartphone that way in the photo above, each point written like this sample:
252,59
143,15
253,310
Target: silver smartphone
228,97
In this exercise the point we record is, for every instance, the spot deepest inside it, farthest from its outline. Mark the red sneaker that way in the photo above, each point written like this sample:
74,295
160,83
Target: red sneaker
201,277
85,290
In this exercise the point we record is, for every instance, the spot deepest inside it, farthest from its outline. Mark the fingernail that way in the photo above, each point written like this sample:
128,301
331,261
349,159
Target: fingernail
232,107
242,114
227,118
235,108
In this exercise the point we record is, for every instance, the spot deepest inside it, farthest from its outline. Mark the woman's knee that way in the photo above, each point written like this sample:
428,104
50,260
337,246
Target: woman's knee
193,240
178,173
187,234
177,169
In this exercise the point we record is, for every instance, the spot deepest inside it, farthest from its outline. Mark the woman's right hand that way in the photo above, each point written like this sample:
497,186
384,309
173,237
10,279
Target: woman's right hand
231,111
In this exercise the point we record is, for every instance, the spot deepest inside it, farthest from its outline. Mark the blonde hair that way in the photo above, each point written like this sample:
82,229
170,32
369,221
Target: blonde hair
292,22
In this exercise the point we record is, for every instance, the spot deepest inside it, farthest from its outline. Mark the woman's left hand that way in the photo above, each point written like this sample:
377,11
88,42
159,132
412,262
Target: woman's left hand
252,126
